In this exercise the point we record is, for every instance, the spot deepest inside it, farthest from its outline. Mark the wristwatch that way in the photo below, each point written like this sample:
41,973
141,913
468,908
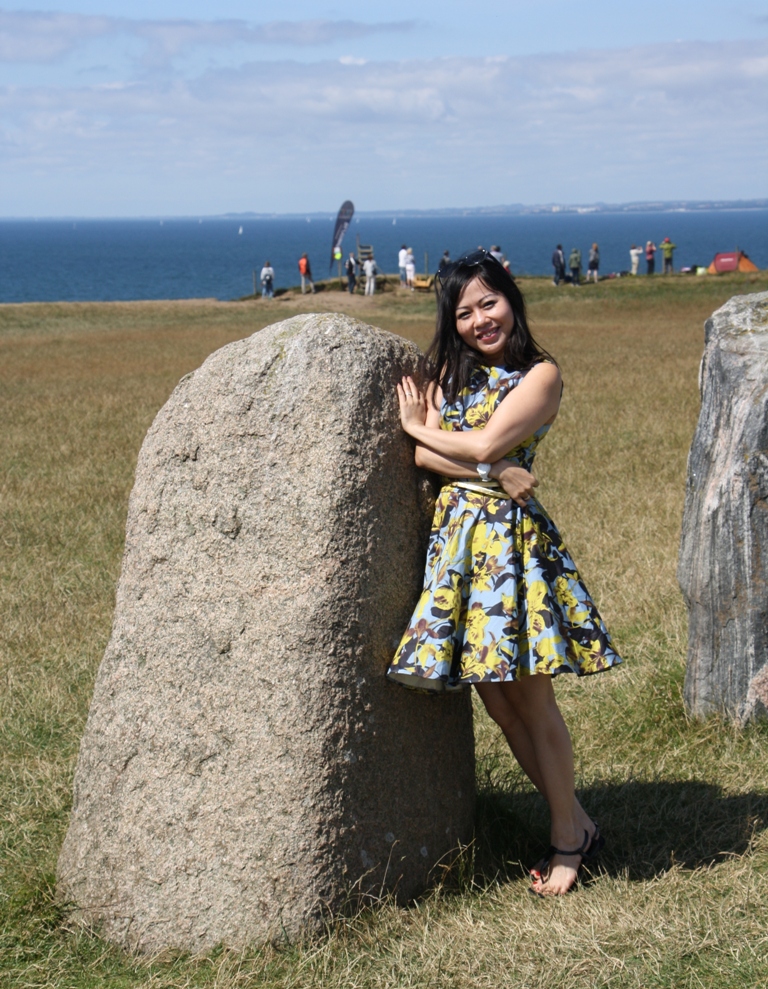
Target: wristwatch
484,470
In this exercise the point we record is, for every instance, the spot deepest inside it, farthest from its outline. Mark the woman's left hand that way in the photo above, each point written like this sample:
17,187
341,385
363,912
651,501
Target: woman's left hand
516,481
413,405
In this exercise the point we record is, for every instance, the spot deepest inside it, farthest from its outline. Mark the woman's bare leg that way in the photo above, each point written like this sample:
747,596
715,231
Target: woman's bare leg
518,700
532,718
503,711
552,743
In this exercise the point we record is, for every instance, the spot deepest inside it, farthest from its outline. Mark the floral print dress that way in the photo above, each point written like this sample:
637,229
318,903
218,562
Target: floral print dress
502,598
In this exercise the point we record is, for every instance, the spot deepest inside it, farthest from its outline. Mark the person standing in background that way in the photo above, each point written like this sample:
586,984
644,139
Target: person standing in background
593,265
445,260
306,274
410,269
370,269
351,269
267,278
495,252
650,257
574,263
634,258
668,249
402,255
558,265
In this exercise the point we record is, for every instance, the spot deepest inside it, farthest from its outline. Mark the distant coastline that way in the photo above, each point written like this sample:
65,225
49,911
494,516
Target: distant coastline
511,209
518,209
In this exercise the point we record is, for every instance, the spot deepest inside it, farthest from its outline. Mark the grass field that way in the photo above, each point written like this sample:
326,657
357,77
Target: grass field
681,898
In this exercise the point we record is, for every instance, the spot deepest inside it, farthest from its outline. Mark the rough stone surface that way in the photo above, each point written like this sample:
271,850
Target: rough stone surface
723,565
245,766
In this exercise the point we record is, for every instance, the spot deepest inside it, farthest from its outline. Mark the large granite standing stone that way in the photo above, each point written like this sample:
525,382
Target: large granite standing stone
723,564
245,767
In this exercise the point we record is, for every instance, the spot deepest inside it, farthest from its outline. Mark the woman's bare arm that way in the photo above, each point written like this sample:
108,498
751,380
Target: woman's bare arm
531,404
447,466
516,481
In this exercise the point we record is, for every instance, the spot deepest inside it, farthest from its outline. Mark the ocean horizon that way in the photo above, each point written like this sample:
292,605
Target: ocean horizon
500,209
82,260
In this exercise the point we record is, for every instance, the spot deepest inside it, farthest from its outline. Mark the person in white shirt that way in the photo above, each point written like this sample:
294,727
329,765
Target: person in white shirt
401,263
410,268
635,253
369,267
267,281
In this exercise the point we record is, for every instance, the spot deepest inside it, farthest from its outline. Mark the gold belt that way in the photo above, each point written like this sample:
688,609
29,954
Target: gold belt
480,488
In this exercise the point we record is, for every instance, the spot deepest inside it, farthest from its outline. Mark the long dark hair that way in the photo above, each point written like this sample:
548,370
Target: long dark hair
451,363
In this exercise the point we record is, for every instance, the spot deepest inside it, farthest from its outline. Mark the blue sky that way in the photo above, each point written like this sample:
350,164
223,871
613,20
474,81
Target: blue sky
130,109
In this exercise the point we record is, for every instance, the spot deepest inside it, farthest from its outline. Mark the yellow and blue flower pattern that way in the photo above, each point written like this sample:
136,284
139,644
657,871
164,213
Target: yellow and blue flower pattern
502,598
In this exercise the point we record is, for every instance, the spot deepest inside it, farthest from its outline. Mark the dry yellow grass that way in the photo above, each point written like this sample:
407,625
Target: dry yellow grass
682,896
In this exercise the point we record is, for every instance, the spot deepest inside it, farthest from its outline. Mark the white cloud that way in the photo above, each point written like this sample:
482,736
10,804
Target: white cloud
650,122
44,37
318,32
47,36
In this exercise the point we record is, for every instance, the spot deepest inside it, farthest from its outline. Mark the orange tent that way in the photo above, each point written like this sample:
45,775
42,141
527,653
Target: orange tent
731,261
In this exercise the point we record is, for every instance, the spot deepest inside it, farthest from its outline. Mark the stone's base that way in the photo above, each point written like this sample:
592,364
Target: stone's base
246,767
724,546
757,695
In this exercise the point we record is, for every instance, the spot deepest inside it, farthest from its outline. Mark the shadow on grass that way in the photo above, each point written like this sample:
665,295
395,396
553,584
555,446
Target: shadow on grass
649,826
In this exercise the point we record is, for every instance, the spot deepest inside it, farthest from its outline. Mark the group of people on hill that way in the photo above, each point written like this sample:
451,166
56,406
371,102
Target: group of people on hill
666,247
267,277
574,264
406,263
352,268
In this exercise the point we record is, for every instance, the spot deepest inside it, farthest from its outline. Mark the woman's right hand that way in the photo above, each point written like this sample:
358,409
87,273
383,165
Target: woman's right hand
413,405
516,481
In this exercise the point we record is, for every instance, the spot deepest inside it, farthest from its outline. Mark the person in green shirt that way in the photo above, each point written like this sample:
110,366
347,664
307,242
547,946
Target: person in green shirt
667,249
574,263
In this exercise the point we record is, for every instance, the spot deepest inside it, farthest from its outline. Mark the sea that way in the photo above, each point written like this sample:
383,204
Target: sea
110,260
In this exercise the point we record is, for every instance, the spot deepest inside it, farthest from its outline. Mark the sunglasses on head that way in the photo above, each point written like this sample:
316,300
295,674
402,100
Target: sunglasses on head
467,261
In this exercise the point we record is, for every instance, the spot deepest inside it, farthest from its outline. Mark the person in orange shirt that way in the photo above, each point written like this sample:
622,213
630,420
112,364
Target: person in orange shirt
306,274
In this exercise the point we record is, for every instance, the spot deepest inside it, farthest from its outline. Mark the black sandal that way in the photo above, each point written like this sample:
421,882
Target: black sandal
585,851
596,845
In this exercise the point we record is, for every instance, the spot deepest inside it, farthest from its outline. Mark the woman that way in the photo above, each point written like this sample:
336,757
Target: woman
650,257
593,265
503,606
410,269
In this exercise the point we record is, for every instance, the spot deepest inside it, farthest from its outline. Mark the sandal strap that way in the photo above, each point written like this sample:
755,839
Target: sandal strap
589,849
581,850
596,845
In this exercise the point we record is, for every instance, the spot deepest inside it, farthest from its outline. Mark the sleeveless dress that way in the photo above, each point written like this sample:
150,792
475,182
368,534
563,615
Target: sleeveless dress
502,598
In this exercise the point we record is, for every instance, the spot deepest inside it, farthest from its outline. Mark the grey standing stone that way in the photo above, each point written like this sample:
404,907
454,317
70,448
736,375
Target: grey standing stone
723,564
245,767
